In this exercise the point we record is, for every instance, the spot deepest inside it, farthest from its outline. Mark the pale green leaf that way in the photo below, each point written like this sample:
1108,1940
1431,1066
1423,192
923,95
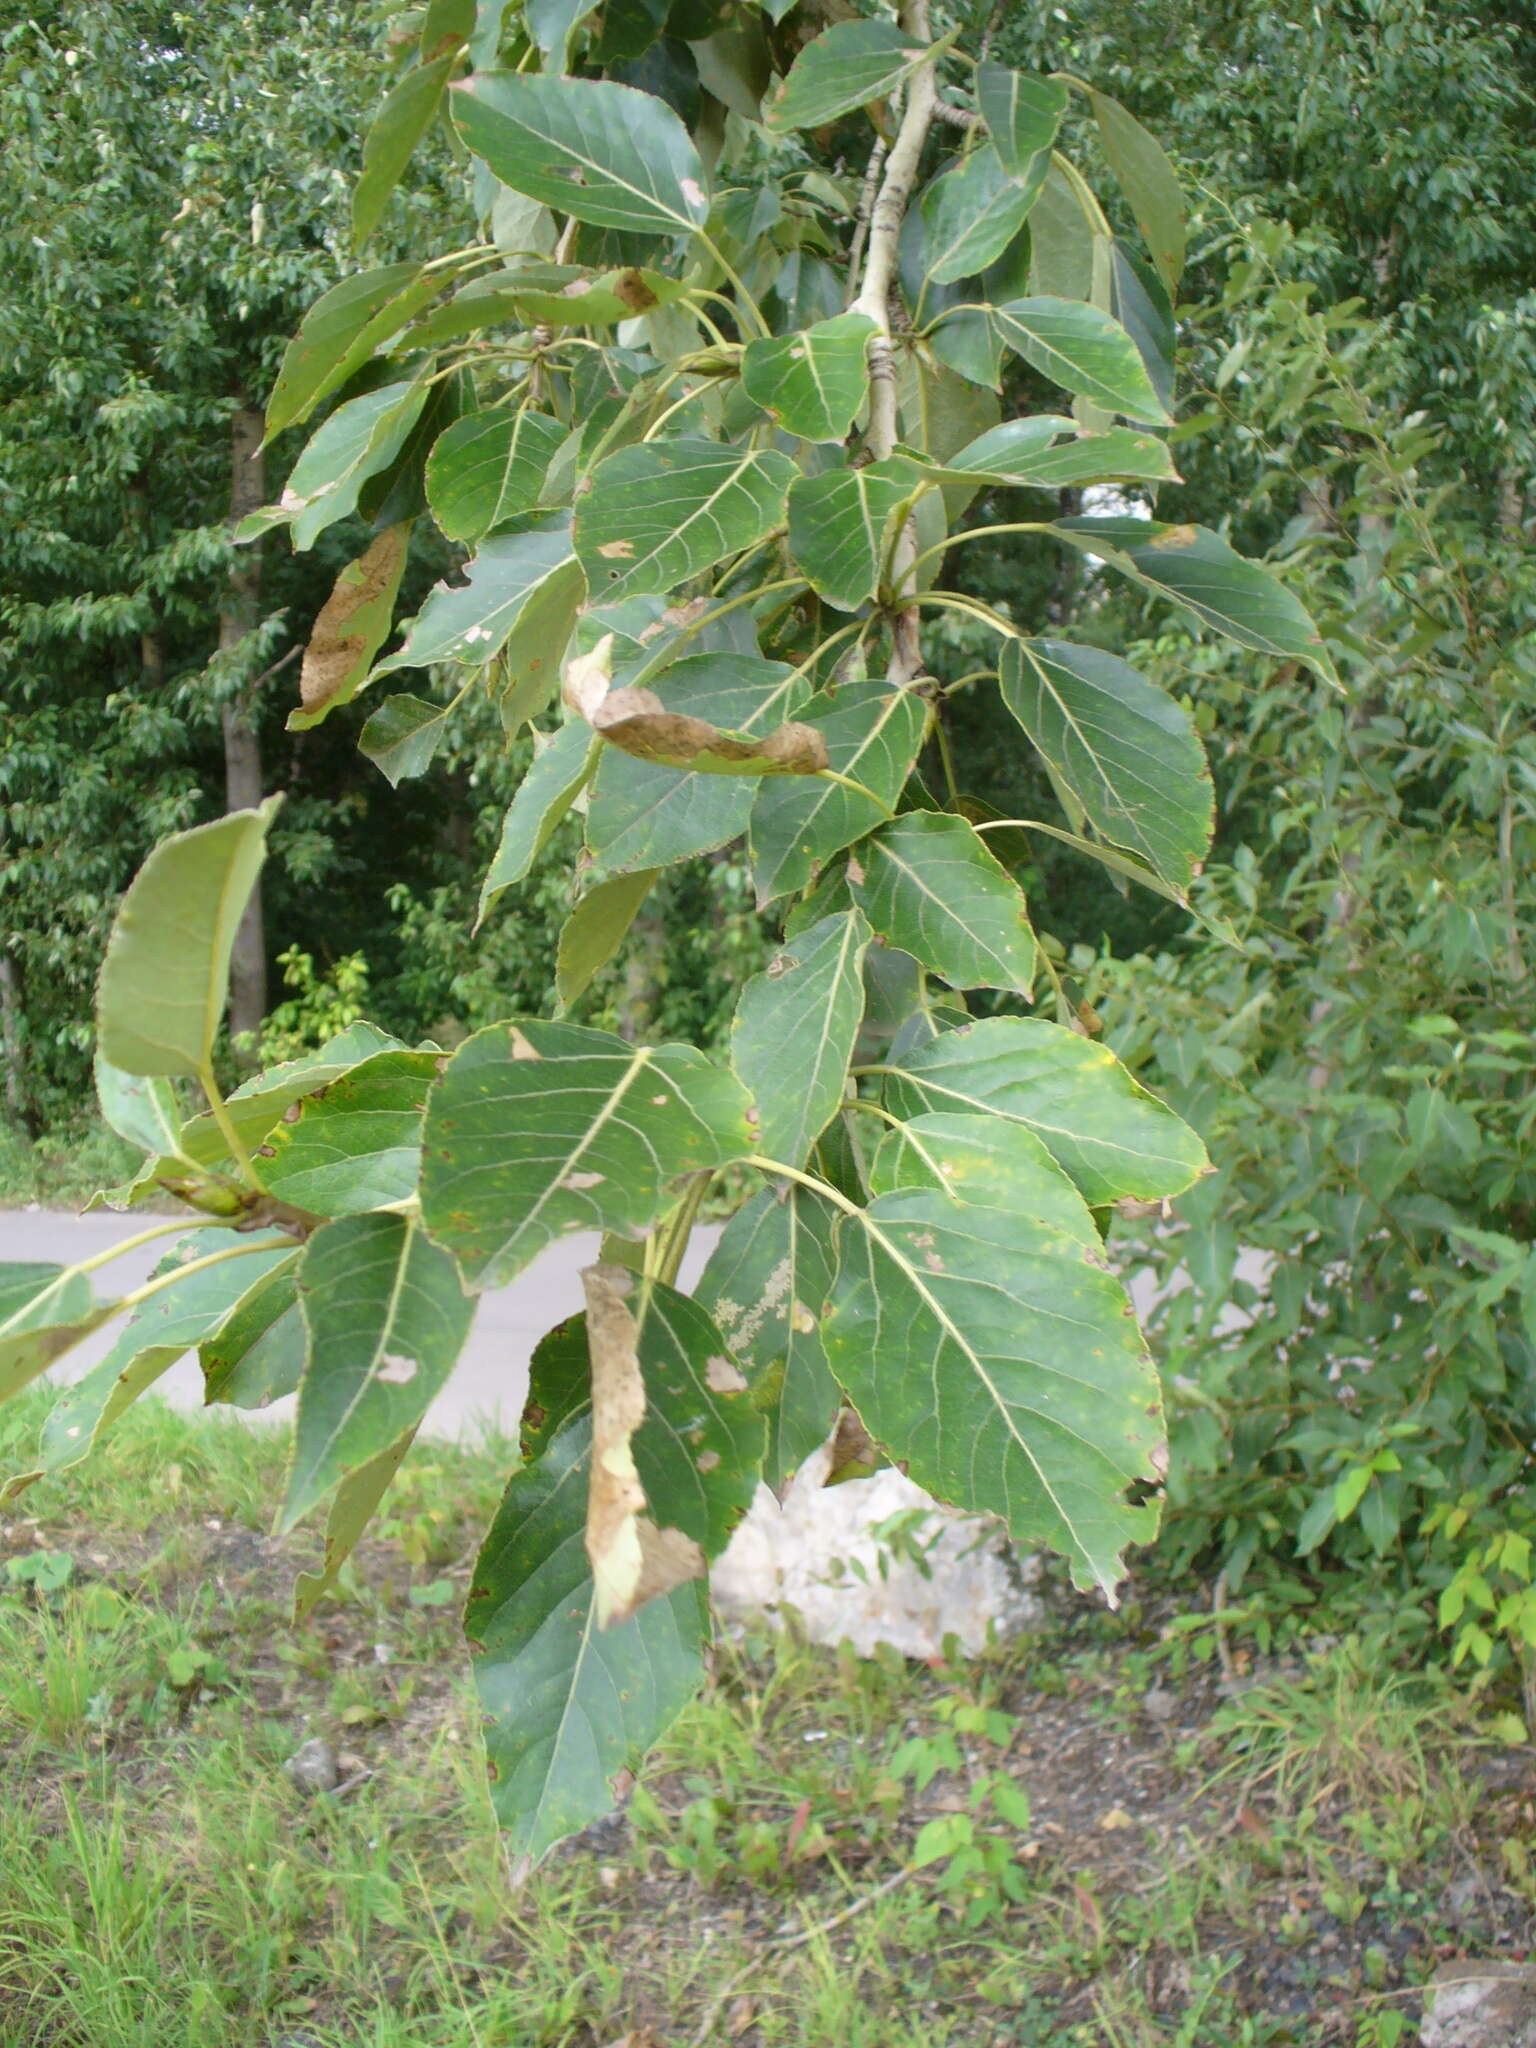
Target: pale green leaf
406,115
489,467
402,737
357,1144
44,1311
839,526
340,332
387,1318
1084,351
814,383
165,977
1129,755
595,930
929,887
605,153
357,441
538,1129
471,622
1022,114
1019,452
352,1508
652,516
794,1031
139,1107
1100,1125
872,733
1149,182
560,769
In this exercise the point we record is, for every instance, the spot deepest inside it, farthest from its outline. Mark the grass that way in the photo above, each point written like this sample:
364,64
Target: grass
63,1168
1262,1868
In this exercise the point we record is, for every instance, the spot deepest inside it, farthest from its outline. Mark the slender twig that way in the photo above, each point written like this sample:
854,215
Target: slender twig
866,207
238,1150
130,1244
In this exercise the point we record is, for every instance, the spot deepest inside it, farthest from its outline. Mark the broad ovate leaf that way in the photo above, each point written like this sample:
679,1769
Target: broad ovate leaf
257,1354
987,1162
604,153
357,1144
537,1129
974,210
1084,351
165,978
844,67
1198,570
1149,182
402,737
353,625
652,516
840,526
1099,1124
998,1360
1024,452
471,622
814,383
489,467
794,1032
387,1319
1022,114
929,887
1129,755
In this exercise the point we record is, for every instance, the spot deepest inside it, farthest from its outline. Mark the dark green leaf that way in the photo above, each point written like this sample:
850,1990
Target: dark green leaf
551,24
1126,751
793,1035
355,1145
489,467
560,769
930,887
654,515
872,734
1149,183
974,211
595,930
1105,1130
997,1359
257,1354
165,978
387,1318
399,125
1198,570
766,1285
815,382
839,526
538,1129
1050,454
1082,350
846,66
403,735
1022,115
602,152
986,1162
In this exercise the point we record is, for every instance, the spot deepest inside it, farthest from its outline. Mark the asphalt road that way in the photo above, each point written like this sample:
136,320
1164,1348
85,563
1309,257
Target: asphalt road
488,1384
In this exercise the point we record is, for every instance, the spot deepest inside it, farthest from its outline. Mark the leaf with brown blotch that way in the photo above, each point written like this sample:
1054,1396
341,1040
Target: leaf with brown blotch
633,1560
638,723
351,628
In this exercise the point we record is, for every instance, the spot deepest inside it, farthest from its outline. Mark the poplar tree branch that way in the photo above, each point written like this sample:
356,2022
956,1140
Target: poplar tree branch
874,299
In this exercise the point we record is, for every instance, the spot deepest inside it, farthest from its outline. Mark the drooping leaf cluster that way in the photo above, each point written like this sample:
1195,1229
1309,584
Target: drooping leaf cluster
706,417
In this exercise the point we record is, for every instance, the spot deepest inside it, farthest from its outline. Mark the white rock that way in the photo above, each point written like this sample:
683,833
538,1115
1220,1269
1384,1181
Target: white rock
969,1582
1481,2005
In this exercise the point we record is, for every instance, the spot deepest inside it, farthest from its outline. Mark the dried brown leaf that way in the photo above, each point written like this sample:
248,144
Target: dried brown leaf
353,624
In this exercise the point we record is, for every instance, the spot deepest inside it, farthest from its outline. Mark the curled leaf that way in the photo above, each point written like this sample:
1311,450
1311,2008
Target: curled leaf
351,628
637,722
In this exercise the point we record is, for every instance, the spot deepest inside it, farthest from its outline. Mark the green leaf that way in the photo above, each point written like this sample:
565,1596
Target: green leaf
644,815
1128,754
157,1334
814,383
257,1105
794,1031
257,1354
595,930
973,212
654,515
930,887
766,1285
356,1145
940,410
1198,570
551,23
998,1361
872,734
602,152
353,625
44,1311
846,66
1082,350
472,622
839,526
567,1705
165,978
1062,241
387,1318
560,769
341,331
359,440
1022,114
403,735
399,125
489,467
1099,1125
1150,185
352,1508
141,1108
538,1129
1020,452
986,1162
